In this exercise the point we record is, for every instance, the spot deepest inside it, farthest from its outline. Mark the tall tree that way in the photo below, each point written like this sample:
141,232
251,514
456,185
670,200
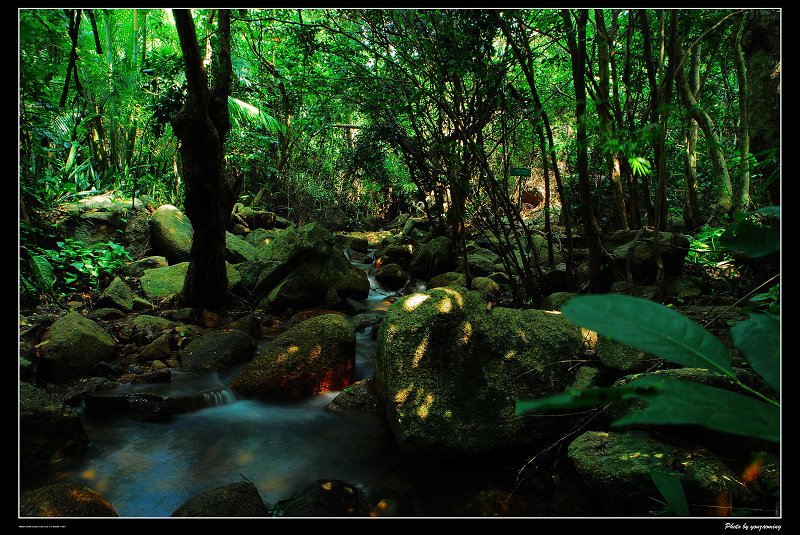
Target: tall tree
202,125
576,42
761,43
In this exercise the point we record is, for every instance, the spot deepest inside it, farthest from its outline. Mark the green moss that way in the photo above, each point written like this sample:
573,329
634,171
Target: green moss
160,283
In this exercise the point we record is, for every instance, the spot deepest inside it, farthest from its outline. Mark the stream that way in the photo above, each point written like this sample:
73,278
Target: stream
148,469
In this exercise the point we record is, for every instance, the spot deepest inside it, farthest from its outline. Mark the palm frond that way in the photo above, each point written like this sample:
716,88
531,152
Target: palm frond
247,114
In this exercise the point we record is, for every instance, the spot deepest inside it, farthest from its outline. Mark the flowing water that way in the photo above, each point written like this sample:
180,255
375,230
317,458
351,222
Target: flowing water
149,469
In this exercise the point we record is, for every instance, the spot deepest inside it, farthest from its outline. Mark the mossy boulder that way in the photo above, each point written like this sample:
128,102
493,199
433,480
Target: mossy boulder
165,282
234,500
432,258
315,355
217,350
673,247
451,278
117,295
138,267
399,253
621,358
391,276
449,370
144,328
104,218
238,250
171,233
618,465
64,500
486,286
358,397
48,429
74,344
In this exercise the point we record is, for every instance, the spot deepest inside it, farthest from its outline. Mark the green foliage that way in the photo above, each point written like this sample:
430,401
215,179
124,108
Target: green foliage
769,300
758,338
672,491
74,266
705,247
650,327
754,234
639,166
656,329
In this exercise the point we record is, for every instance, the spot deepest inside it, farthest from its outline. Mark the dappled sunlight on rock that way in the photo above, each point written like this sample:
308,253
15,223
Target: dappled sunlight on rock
456,295
424,408
413,301
466,331
420,352
445,305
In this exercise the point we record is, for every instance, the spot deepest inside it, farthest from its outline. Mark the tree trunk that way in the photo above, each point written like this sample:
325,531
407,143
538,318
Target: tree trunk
577,51
652,112
724,190
202,125
742,198
691,207
527,70
606,121
761,43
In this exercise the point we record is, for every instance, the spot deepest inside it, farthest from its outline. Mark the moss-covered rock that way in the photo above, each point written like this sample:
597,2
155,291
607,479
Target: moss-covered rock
138,267
618,467
144,328
117,295
48,429
171,233
237,250
104,218
165,282
451,278
486,286
64,500
621,358
555,300
298,268
216,350
399,253
234,500
74,344
391,276
358,397
673,248
432,258
449,370
313,356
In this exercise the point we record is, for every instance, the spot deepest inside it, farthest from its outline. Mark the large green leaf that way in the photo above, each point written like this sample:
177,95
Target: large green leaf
671,489
751,239
42,272
679,402
576,398
651,327
759,339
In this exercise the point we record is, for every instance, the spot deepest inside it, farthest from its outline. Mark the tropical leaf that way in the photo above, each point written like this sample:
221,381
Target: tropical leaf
751,239
650,327
759,339
576,398
42,272
671,489
246,113
678,402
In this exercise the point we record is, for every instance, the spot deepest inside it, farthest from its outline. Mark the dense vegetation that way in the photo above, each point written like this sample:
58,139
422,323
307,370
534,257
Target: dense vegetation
546,142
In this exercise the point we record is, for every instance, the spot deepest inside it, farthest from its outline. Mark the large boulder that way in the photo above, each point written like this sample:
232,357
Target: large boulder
234,500
643,253
171,233
165,282
117,295
313,356
74,344
48,429
64,500
399,253
103,218
449,370
216,350
238,250
298,269
138,267
328,497
391,276
431,258
617,467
